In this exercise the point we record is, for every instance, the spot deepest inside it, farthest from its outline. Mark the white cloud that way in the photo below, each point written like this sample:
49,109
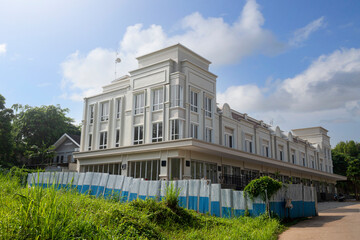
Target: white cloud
326,93
303,34
330,82
2,48
213,38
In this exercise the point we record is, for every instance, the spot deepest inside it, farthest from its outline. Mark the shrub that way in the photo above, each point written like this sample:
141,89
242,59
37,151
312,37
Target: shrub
263,187
172,196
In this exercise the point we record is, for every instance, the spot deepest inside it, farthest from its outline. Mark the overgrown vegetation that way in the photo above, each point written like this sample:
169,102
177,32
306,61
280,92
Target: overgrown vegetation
27,133
36,213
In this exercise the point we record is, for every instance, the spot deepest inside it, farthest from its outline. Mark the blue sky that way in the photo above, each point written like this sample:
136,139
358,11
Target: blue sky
293,63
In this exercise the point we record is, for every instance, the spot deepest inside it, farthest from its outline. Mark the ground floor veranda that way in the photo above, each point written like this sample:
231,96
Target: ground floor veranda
194,159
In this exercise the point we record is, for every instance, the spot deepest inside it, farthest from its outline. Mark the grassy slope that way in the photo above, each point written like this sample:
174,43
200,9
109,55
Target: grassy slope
49,214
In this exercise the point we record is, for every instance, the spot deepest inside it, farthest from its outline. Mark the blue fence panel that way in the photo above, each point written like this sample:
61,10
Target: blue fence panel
215,200
204,198
194,192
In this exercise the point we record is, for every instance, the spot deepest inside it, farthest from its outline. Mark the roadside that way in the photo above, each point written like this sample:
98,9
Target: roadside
336,220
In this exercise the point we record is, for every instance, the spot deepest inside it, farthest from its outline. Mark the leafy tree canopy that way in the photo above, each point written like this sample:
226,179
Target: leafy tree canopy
6,142
41,126
346,161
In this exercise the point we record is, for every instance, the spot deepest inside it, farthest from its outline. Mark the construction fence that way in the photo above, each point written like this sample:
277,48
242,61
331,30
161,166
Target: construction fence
199,195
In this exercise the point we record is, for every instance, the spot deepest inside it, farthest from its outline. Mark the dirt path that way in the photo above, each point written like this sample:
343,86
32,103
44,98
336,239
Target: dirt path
336,221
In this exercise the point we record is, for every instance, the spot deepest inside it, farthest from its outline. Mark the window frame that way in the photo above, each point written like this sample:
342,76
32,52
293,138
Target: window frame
194,130
104,111
118,108
176,124
157,99
91,113
177,95
157,137
103,140
229,140
208,134
89,142
117,137
137,140
208,107
194,101
139,103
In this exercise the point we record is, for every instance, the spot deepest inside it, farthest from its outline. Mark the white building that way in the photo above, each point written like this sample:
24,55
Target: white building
162,122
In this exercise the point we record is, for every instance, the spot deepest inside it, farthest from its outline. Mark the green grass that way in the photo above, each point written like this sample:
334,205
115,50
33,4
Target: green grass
36,213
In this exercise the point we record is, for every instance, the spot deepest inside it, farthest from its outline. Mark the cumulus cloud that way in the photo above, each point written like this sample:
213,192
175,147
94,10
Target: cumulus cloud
330,82
2,48
326,93
303,34
213,38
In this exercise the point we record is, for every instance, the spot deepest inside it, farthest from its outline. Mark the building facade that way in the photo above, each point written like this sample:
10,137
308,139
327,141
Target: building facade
64,148
162,122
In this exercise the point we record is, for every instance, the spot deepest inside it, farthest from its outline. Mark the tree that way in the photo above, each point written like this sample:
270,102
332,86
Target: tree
37,128
6,140
353,173
265,187
340,164
346,161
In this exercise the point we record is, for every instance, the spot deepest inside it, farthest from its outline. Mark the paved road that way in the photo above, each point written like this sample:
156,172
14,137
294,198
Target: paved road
336,221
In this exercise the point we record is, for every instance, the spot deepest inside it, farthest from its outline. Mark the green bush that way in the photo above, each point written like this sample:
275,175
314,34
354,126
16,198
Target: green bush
172,196
264,186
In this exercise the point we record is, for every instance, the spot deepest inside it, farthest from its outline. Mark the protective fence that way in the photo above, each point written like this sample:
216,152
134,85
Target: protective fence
197,195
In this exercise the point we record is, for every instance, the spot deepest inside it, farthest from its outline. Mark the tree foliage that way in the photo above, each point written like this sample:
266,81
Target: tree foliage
6,140
42,125
27,133
346,159
263,187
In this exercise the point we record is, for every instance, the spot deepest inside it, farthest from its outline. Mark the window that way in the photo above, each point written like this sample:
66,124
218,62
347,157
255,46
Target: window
157,99
103,140
104,111
281,153
266,150
293,156
228,137
118,108
208,107
149,170
194,131
303,159
90,140
139,103
205,170
208,135
228,140
248,143
312,162
117,138
177,93
138,135
157,132
176,129
91,110
193,101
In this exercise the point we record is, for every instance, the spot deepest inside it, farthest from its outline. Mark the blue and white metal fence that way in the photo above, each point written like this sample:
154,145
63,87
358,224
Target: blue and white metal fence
198,195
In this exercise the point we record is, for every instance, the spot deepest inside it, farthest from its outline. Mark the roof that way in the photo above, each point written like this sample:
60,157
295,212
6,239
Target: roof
173,46
74,138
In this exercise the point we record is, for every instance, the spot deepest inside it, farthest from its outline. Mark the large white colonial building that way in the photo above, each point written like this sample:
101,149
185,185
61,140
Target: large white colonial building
162,122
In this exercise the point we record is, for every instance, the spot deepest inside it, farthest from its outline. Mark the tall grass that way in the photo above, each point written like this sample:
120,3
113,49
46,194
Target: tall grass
37,213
